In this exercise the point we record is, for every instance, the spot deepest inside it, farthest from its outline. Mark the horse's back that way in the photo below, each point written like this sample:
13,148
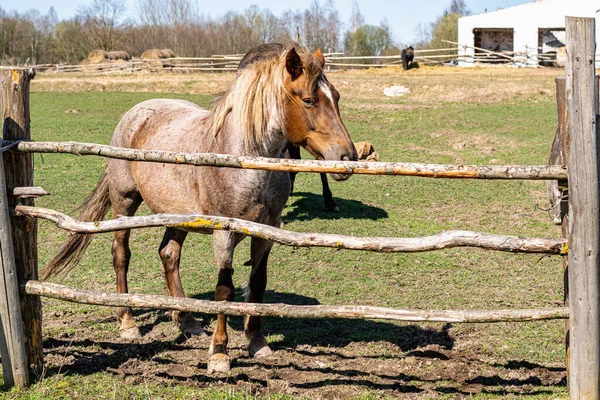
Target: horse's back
160,124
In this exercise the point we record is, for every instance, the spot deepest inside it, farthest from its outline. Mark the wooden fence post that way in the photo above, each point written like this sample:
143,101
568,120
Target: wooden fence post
14,354
18,169
558,191
584,211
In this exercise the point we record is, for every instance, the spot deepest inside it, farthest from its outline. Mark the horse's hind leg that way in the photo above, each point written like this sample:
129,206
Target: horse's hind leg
257,283
170,254
126,206
224,244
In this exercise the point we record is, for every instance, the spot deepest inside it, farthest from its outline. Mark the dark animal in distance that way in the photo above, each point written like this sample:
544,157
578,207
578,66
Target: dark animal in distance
271,102
408,54
264,52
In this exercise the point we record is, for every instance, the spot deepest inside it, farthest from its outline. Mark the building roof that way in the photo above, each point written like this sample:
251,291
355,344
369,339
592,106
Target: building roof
549,12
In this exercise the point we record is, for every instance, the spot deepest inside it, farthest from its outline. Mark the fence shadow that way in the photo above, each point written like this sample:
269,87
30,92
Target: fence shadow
303,343
335,332
307,206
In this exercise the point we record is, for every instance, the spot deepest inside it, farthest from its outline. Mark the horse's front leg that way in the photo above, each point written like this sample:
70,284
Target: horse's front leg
224,244
170,254
330,204
259,250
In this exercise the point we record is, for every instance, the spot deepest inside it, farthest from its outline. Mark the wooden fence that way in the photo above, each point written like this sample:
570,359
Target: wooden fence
334,61
20,307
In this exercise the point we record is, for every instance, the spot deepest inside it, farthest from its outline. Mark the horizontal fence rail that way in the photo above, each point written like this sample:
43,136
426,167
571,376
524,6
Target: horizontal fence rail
536,172
443,240
82,296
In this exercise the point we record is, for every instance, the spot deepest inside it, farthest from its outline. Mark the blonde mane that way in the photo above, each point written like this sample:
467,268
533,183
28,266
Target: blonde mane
257,92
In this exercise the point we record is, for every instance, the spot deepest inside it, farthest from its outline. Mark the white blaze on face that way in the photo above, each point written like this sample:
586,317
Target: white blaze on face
327,92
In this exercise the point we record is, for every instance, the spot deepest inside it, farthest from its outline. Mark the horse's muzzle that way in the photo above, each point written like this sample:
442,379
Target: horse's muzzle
343,177
339,177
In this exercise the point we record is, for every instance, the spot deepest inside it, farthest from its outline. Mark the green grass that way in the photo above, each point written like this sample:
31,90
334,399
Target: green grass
504,132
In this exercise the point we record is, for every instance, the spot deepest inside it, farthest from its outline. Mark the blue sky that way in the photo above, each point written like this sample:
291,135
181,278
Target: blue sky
402,15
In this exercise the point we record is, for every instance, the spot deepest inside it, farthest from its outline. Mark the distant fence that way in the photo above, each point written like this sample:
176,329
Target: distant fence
334,61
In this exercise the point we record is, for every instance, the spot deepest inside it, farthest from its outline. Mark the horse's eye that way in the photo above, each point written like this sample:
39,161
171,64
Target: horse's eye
308,102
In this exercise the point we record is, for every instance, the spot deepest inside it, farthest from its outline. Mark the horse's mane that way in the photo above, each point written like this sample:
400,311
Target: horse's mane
257,95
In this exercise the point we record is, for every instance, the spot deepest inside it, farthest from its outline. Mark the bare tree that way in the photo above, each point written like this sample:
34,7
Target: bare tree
291,22
175,24
104,22
71,43
320,26
333,26
356,19
458,7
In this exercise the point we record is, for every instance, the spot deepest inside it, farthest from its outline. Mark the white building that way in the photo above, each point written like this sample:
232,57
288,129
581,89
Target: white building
524,32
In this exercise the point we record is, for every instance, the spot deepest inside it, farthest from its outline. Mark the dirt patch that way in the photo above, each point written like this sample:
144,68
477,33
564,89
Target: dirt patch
427,84
421,363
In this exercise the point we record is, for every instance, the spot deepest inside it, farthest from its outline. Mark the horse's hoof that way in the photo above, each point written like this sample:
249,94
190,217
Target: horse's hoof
332,208
130,333
259,348
264,351
190,326
218,363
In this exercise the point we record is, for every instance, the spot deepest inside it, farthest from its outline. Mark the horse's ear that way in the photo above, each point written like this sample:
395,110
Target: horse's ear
293,63
319,58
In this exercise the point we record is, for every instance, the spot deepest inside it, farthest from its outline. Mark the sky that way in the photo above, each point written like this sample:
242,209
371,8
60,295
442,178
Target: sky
403,15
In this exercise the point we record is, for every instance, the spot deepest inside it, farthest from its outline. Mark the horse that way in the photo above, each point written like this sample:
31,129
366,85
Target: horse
407,55
277,100
270,50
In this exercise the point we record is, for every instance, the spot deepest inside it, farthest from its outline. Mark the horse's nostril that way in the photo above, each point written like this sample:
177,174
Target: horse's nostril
350,157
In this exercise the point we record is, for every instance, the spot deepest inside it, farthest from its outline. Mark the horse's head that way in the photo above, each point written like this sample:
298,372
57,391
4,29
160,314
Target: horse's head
311,116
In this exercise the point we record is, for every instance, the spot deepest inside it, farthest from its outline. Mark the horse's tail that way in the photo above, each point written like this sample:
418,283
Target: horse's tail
94,208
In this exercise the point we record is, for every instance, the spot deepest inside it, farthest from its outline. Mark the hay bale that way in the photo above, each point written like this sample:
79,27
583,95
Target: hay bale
167,53
154,54
118,55
97,56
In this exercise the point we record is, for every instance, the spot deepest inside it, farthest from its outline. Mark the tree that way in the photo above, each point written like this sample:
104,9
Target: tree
103,22
333,25
458,7
444,28
368,40
71,43
314,32
356,19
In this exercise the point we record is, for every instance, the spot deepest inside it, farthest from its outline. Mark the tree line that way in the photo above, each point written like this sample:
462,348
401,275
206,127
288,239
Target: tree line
35,38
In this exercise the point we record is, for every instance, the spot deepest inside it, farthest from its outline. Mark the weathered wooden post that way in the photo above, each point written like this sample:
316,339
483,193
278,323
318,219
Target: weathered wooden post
18,168
558,191
14,354
584,211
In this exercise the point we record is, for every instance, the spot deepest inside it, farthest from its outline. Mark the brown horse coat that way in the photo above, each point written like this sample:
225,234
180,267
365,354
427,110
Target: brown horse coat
285,98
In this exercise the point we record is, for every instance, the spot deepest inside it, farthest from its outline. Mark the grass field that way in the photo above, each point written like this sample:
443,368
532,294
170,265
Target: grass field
455,116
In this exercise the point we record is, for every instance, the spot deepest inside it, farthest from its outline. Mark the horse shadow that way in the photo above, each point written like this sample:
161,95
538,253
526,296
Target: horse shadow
87,357
334,332
308,206
301,334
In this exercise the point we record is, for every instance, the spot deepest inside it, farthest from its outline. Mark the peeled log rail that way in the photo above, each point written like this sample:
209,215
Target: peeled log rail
82,296
539,172
204,223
